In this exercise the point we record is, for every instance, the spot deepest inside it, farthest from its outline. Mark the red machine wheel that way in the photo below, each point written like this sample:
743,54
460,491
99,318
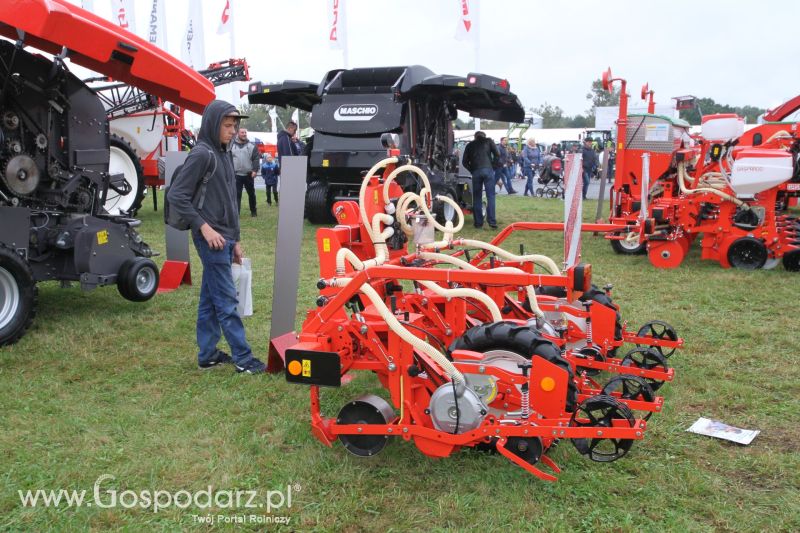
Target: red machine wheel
665,254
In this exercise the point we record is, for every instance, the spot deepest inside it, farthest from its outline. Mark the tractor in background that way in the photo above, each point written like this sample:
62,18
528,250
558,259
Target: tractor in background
352,109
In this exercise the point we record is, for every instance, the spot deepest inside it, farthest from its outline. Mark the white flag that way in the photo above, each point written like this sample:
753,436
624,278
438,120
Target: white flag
122,14
226,19
467,29
157,34
337,28
192,46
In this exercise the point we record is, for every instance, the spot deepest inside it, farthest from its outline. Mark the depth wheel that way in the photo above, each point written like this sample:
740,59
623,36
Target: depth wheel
367,409
137,280
123,160
529,449
318,207
629,245
747,253
791,261
18,296
659,330
600,412
647,359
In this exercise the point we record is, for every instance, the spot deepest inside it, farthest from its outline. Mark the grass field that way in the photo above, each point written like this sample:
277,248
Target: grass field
103,386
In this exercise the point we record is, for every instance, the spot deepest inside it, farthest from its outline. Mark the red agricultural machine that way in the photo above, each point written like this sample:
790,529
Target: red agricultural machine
732,187
474,346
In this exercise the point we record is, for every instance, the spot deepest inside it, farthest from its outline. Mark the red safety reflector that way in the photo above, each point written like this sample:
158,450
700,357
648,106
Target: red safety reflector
472,80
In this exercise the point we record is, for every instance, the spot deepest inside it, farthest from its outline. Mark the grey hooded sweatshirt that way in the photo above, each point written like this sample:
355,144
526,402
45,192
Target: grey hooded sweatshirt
219,208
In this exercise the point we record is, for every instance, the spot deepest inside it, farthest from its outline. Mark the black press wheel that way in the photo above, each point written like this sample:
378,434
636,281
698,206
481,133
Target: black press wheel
747,253
318,205
123,160
137,280
629,246
516,340
18,296
600,412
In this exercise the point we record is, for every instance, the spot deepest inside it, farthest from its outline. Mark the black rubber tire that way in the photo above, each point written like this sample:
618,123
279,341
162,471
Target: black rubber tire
619,248
318,206
791,261
747,253
137,280
522,340
121,144
16,276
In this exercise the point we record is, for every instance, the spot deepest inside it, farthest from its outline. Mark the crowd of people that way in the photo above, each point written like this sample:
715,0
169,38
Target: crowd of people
494,167
248,162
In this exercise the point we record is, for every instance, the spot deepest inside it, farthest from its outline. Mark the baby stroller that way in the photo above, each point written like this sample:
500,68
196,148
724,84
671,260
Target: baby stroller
551,178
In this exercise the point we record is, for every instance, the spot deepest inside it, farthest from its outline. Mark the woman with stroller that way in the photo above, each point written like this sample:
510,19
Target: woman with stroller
531,160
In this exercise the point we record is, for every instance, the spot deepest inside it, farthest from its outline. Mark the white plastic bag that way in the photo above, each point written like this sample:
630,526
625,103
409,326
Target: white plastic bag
243,280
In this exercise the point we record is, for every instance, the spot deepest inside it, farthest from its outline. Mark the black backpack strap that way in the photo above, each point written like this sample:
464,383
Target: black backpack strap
206,178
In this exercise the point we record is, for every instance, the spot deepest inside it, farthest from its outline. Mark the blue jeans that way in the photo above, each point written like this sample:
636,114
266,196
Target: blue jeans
527,171
502,175
483,179
217,309
587,177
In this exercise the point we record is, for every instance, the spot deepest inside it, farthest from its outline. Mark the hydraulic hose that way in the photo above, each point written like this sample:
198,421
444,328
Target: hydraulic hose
685,190
406,335
363,191
463,292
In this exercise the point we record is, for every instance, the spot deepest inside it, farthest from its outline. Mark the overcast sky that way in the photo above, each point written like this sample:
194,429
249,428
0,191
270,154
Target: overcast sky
733,51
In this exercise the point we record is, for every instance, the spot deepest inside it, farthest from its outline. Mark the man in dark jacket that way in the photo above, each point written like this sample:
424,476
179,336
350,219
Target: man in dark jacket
245,165
285,144
590,162
479,158
215,231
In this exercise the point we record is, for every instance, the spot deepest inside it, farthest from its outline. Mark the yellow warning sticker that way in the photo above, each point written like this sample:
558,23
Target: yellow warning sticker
375,196
461,84
266,90
326,244
102,237
306,368
325,163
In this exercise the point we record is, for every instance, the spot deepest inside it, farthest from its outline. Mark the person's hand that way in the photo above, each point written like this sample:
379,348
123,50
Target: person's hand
213,238
252,173
238,253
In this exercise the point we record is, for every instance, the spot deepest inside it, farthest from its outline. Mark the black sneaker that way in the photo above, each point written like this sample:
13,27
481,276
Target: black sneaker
219,358
253,367
493,226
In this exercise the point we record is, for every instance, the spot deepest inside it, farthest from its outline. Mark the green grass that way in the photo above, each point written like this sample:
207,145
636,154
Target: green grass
100,385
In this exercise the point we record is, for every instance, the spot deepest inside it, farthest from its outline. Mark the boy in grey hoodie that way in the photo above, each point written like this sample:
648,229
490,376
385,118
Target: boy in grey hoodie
215,231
